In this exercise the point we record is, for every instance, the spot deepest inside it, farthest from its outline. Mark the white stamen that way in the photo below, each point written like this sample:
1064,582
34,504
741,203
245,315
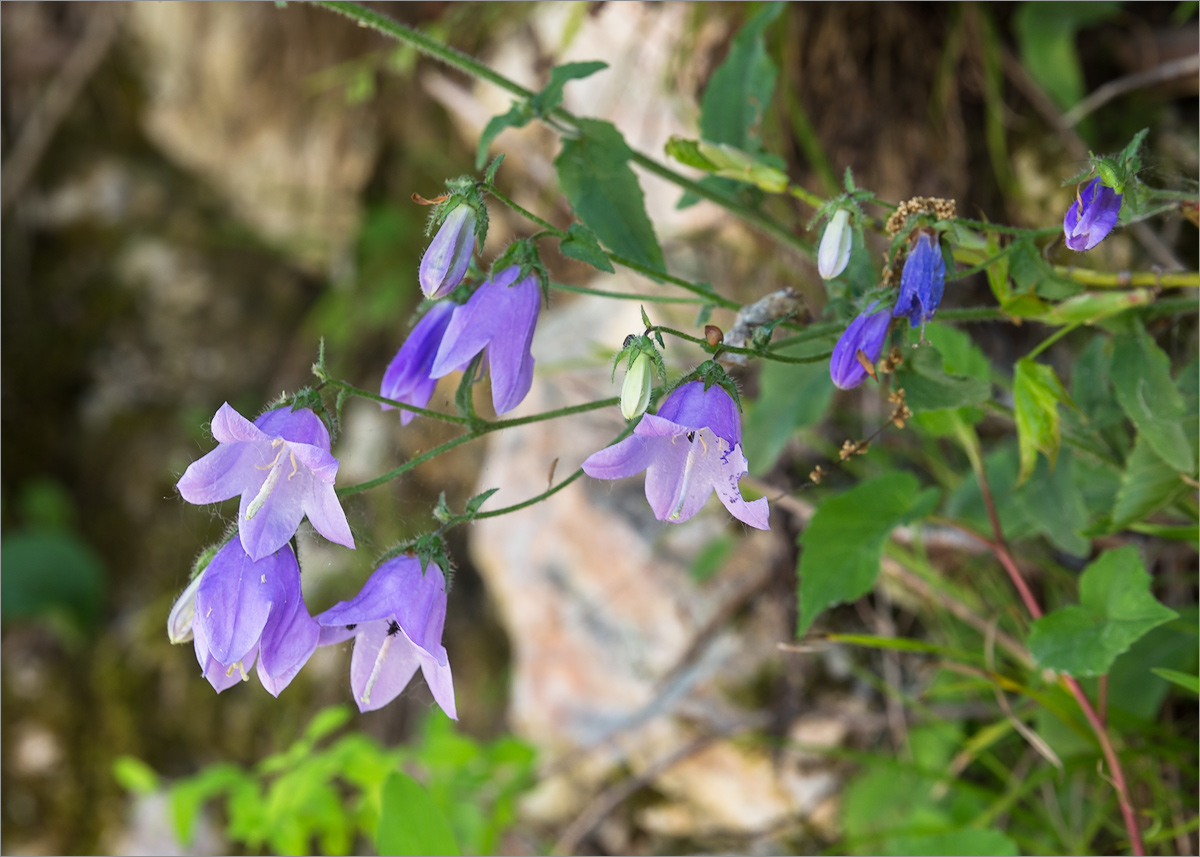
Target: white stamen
377,669
688,467
265,491
237,665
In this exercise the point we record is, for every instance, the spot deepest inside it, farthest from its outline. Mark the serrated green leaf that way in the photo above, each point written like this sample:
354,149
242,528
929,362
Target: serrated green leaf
1147,484
1115,609
603,190
928,387
517,116
411,823
844,541
581,244
1036,395
741,88
1054,505
478,500
1141,376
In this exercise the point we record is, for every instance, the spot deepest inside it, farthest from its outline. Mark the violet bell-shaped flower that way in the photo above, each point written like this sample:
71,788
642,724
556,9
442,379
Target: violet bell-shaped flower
248,609
407,378
834,253
922,283
396,622
1092,216
448,255
500,317
281,466
859,347
689,449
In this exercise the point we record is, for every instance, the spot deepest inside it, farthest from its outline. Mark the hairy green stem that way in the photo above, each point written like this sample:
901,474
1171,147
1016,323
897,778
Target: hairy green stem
731,349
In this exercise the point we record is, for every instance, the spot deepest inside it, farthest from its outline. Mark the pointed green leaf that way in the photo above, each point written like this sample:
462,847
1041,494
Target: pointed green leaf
844,541
1187,682
581,244
1115,609
517,116
928,387
410,823
740,90
1147,484
551,97
1036,394
1141,376
603,190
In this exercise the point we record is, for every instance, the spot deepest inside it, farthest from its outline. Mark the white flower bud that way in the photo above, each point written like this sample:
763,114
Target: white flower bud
635,394
834,253
179,622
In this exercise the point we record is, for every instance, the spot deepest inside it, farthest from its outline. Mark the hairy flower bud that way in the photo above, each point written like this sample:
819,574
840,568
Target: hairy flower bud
834,253
179,622
1092,216
449,253
635,394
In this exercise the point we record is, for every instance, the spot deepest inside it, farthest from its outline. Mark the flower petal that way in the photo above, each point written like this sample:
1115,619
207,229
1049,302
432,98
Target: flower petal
692,406
509,357
408,373
326,515
287,643
236,596
302,426
219,475
267,527
228,426
441,683
630,456
391,673
733,468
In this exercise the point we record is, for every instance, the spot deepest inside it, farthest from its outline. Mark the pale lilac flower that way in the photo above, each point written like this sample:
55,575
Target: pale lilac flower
281,466
689,449
1092,216
247,609
866,333
499,317
922,283
448,255
407,378
834,252
396,621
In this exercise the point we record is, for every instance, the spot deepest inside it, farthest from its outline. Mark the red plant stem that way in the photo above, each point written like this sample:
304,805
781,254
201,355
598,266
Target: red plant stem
1000,549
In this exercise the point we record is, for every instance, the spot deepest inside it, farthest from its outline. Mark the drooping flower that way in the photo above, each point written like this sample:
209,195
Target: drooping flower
500,317
407,378
922,283
834,252
692,447
866,334
396,621
448,255
281,466
1092,216
247,609
635,392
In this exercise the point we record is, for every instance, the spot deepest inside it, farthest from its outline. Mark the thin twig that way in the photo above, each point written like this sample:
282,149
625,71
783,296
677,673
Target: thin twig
1178,67
60,97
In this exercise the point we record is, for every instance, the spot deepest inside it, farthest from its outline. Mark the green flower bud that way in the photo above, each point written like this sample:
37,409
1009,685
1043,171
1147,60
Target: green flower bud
635,394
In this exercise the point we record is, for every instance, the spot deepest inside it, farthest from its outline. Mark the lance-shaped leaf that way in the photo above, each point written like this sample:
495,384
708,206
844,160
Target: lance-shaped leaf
740,89
1036,394
1115,610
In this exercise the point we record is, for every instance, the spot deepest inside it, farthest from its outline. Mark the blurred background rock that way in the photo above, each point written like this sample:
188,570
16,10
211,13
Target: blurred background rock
194,194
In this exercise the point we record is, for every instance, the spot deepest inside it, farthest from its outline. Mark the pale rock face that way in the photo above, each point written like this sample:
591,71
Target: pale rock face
227,100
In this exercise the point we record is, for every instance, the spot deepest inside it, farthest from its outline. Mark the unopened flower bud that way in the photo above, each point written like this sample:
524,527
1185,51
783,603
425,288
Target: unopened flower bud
449,253
635,394
179,621
713,335
834,253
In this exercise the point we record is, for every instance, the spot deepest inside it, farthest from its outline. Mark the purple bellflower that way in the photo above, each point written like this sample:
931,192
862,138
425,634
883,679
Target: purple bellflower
396,621
922,283
281,466
247,609
448,255
407,378
500,317
866,333
691,448
1092,216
